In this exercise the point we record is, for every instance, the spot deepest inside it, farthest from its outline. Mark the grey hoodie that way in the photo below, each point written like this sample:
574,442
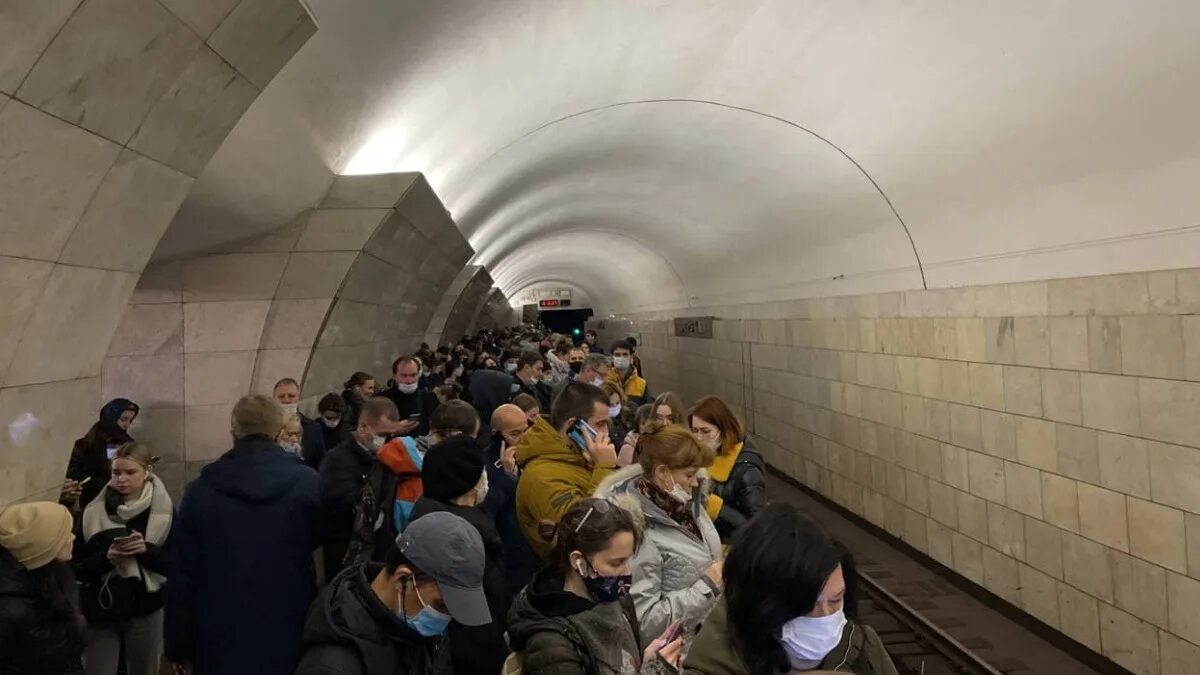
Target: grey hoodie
669,580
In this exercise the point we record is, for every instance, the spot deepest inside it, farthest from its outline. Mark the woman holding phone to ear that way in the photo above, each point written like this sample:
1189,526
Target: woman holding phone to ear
122,566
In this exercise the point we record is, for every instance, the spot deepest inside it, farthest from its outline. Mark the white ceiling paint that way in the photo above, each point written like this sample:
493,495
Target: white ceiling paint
1016,140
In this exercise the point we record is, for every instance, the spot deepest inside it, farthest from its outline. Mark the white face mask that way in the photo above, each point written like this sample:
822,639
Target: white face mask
112,452
289,409
614,410
809,639
407,388
458,372
598,381
293,448
713,443
621,362
679,492
510,367
377,442
332,424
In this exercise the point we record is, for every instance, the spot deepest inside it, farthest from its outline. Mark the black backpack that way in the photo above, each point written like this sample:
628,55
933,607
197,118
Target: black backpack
373,530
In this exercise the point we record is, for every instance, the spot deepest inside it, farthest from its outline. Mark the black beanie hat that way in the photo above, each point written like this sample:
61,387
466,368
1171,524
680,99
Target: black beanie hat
451,468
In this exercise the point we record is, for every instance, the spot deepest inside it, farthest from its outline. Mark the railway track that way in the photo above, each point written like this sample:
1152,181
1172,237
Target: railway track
916,645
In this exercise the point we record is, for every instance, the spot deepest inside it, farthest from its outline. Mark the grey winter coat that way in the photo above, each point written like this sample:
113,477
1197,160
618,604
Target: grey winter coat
669,580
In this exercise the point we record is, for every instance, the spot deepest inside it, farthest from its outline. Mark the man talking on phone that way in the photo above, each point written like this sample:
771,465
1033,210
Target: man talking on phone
562,461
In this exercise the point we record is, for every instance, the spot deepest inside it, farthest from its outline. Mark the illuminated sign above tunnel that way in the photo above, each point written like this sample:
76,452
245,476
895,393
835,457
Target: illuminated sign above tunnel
551,303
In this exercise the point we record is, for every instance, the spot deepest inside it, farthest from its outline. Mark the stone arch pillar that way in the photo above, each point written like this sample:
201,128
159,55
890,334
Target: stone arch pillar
109,109
347,286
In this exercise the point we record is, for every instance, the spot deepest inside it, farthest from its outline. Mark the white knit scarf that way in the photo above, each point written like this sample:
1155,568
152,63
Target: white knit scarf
154,497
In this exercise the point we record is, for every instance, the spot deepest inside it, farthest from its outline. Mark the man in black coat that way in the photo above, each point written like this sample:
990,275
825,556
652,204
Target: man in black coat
344,473
414,404
530,369
390,618
312,438
242,573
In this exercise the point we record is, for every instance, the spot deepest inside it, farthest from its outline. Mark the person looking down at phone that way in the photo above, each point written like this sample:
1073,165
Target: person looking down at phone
414,404
677,571
391,618
562,461
576,616
122,565
87,472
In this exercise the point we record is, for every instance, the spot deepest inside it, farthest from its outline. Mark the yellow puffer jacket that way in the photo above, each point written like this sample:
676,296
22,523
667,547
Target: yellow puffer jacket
634,385
554,475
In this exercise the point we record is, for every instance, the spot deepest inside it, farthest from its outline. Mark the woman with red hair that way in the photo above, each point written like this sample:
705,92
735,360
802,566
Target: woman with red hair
738,473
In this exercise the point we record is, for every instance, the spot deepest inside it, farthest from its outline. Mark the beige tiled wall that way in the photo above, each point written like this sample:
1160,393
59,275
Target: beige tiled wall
109,110
1041,439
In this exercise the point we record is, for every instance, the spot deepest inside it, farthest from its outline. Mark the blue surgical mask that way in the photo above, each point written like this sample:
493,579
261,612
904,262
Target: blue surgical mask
428,622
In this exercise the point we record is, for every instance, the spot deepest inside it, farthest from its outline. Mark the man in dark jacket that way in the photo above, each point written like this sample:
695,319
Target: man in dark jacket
312,439
530,368
453,478
344,473
414,404
390,619
508,425
241,562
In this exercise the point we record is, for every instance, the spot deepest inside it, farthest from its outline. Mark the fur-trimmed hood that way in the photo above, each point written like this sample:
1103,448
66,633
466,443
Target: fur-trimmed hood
620,488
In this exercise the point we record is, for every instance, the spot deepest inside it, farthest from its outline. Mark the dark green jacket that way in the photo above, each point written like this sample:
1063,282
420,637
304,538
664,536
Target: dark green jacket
860,652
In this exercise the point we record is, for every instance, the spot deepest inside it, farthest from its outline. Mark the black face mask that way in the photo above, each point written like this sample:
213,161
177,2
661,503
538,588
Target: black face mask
576,366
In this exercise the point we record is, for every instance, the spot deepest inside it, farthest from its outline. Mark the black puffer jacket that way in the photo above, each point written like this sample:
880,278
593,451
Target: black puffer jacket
560,633
744,492
478,649
34,639
350,632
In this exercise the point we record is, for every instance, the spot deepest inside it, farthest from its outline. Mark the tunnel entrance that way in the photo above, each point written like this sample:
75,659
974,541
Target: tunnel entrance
566,321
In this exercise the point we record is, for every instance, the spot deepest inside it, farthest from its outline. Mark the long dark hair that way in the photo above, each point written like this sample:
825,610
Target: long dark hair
775,570
55,582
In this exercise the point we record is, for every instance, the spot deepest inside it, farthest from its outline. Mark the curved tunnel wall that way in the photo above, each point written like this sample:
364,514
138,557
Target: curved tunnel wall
1040,438
109,109
349,286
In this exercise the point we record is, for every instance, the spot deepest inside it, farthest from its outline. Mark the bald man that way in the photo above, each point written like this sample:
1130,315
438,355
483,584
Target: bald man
508,425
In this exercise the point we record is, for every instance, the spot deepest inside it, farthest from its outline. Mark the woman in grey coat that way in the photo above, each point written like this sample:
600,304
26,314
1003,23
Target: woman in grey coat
677,570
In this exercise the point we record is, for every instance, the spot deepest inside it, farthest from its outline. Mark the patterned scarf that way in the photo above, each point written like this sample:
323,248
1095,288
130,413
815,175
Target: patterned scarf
675,509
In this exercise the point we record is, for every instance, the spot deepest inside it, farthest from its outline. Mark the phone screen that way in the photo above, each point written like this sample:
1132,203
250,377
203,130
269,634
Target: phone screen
121,541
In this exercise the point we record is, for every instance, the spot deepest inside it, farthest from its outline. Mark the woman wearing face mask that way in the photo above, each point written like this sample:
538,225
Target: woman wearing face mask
41,629
738,472
618,412
92,454
288,437
359,388
576,616
335,425
455,482
677,572
790,606
122,566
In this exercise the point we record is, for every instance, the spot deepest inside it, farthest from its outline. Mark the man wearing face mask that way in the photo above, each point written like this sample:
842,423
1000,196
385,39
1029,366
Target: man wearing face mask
343,475
456,482
593,369
625,375
391,618
508,427
312,439
530,370
413,404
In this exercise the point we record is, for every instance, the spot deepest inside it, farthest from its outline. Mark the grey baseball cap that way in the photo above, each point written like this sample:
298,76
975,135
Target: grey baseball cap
450,550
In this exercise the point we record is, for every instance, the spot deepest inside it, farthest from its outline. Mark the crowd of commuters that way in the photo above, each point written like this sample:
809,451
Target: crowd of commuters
515,503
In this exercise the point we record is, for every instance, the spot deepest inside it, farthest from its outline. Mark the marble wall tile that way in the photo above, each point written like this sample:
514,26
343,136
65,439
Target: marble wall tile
59,342
1037,445
206,431
1079,617
1104,344
340,229
1152,346
1175,475
282,240
186,126
1061,399
1102,516
374,281
27,29
152,381
1039,595
202,16
1124,464
1156,534
234,276
1178,656
1085,566
22,283
399,243
216,377
112,60
1140,588
1023,489
1006,531
1110,403
162,430
314,275
48,173
224,326
1184,594
1069,343
1168,410
968,557
986,476
1132,643
1078,453
1043,547
159,283
294,324
259,38
987,386
128,215
424,210
273,365
1001,575
148,329
1060,502
60,412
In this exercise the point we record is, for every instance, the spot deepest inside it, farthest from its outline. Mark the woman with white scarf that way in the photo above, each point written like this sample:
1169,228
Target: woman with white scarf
123,566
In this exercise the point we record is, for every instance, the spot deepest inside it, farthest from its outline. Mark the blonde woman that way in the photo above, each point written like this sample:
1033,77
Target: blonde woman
123,565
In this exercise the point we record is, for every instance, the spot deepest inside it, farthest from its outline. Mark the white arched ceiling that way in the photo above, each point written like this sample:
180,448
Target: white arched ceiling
678,152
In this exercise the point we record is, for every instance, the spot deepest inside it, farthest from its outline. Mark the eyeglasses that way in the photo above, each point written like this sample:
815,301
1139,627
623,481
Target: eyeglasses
598,506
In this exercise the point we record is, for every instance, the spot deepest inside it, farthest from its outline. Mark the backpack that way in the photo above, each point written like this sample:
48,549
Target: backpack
380,515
